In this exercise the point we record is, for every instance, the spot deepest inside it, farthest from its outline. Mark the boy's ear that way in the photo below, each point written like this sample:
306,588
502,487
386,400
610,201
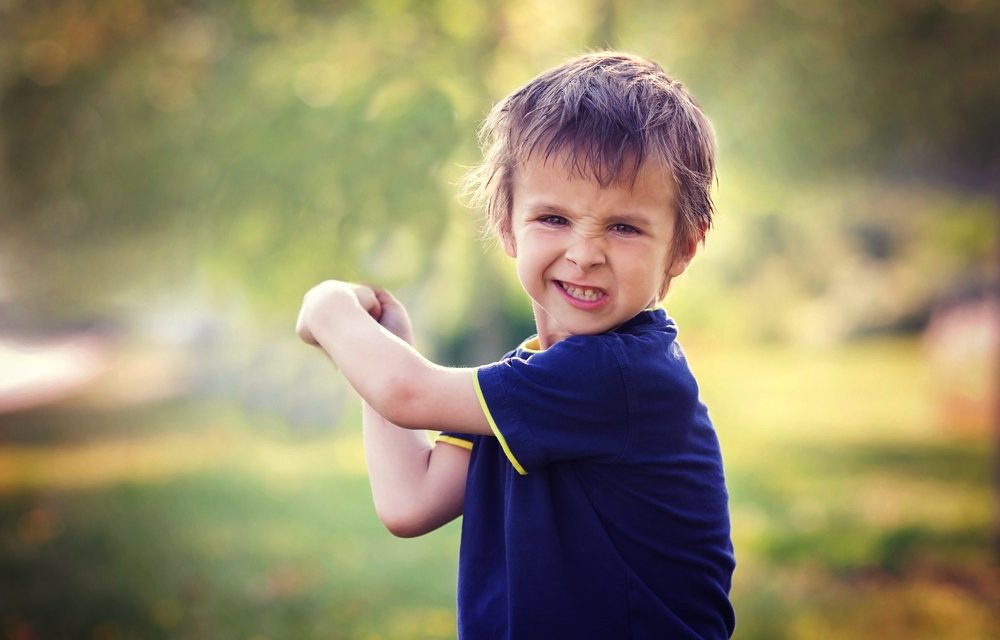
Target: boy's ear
509,246
685,255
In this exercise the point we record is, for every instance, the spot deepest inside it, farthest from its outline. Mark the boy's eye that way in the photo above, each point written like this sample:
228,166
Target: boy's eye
625,229
553,220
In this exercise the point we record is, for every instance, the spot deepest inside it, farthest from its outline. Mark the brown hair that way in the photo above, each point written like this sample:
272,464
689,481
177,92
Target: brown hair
608,112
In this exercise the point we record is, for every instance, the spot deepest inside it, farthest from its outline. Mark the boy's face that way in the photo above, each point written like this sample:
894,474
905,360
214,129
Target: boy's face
589,257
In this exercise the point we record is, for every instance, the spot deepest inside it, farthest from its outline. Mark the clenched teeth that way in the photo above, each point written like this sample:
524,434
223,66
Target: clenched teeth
582,293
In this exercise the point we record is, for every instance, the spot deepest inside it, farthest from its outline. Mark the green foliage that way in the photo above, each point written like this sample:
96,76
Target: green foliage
252,148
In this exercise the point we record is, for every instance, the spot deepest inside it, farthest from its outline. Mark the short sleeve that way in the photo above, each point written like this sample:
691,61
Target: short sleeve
567,402
462,440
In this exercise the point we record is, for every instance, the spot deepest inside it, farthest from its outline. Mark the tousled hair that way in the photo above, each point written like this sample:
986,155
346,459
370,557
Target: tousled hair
607,114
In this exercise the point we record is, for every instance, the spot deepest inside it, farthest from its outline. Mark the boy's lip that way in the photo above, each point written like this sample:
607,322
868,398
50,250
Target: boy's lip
600,296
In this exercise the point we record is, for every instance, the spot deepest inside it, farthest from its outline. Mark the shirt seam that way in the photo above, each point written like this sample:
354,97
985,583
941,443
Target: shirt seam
626,568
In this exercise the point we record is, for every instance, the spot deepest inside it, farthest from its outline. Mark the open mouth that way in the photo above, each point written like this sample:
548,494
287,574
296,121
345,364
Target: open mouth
583,294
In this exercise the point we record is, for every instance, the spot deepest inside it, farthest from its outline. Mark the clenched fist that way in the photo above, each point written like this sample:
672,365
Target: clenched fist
323,304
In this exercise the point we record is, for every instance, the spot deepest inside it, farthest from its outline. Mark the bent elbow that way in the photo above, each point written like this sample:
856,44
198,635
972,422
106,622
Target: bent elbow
404,530
402,524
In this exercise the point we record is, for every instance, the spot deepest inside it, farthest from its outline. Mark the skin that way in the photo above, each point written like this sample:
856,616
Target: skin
589,257
416,488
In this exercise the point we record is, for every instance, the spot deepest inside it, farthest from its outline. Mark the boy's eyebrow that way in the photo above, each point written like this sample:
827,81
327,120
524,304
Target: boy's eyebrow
634,219
542,207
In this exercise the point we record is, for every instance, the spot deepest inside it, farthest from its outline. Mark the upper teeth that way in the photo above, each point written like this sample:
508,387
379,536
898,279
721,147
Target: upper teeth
582,293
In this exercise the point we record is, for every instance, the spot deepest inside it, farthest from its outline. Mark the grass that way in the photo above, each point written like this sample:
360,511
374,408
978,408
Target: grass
857,512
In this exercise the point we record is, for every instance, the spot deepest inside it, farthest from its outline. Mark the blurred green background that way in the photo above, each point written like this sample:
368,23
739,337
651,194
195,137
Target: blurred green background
175,175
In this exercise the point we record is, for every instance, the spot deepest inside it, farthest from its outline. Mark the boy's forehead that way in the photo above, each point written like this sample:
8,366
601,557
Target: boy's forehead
649,172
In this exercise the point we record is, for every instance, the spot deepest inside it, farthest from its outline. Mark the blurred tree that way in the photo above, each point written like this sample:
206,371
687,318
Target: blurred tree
895,88
263,145
279,140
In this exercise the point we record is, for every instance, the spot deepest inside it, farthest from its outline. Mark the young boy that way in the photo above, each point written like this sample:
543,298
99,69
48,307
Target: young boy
587,470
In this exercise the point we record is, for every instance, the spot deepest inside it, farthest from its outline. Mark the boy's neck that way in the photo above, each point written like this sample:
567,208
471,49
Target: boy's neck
549,332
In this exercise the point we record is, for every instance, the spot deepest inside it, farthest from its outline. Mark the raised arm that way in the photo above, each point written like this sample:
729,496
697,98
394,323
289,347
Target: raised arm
416,487
389,374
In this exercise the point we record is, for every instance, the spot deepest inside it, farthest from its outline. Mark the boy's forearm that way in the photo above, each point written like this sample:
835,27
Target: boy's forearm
375,362
399,383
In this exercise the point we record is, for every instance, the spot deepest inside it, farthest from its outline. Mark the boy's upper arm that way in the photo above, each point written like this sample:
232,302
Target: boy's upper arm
444,486
448,399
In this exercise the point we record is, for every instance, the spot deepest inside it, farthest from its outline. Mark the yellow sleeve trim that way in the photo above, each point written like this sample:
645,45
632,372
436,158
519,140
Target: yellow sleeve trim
458,442
493,425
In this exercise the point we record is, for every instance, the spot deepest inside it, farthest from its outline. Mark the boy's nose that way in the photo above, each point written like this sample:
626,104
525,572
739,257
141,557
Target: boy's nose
586,252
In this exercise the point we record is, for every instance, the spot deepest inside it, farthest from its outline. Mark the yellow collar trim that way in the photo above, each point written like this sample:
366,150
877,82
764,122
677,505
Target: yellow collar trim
531,345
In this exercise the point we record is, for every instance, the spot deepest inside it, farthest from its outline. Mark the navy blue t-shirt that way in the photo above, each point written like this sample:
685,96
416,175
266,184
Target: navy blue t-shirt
600,508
